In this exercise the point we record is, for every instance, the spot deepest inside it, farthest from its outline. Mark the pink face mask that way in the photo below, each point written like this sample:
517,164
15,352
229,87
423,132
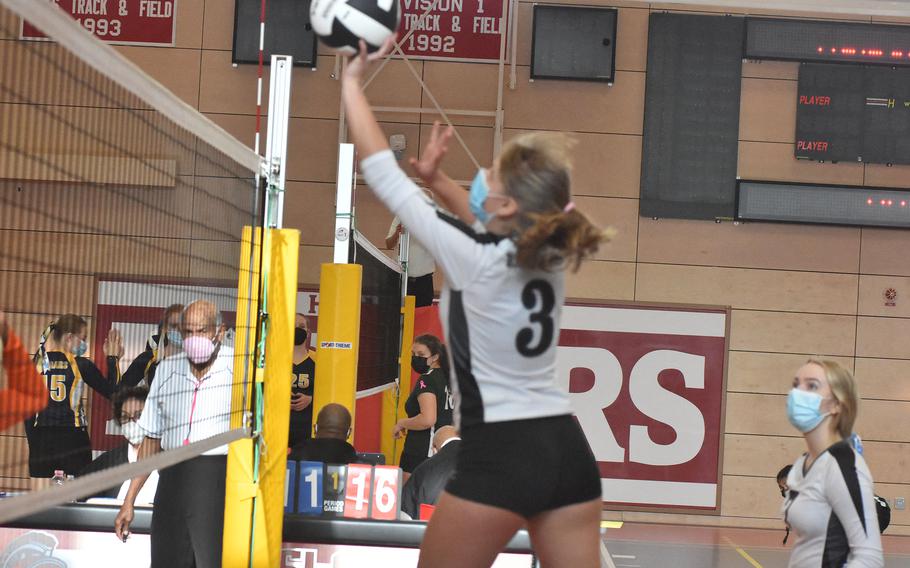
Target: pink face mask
198,349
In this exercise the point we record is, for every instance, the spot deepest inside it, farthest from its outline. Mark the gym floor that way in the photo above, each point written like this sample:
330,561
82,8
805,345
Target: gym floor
636,545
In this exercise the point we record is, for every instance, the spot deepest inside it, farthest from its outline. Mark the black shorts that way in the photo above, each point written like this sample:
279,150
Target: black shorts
409,462
421,288
526,466
58,447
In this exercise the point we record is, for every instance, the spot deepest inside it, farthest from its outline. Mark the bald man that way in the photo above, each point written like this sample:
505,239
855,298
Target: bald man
333,428
428,479
189,401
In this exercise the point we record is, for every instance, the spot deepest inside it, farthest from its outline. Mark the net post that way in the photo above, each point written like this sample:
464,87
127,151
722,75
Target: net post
339,337
344,191
282,294
277,143
393,400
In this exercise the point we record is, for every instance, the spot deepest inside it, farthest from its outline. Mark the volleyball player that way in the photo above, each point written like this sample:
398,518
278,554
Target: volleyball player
429,406
57,436
303,375
523,460
830,505
165,342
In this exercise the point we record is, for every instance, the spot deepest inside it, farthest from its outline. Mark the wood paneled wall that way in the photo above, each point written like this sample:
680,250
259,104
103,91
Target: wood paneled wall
795,290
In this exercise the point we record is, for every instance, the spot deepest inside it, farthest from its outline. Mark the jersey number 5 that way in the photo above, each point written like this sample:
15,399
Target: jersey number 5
57,388
538,297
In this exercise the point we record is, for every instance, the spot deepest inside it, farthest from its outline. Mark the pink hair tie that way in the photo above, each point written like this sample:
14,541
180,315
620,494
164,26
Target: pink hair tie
569,206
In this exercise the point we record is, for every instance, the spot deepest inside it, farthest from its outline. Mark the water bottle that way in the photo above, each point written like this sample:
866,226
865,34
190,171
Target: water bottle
59,478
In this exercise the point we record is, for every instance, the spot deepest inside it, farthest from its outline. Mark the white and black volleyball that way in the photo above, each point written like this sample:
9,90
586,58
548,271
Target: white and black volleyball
341,24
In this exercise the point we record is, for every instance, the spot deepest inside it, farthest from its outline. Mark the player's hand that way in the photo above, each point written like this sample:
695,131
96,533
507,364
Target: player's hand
113,344
399,431
4,327
358,63
299,401
433,153
123,520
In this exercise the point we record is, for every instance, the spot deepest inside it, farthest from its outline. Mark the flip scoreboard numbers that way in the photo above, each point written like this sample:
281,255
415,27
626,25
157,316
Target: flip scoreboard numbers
357,495
355,491
290,487
386,493
333,490
309,492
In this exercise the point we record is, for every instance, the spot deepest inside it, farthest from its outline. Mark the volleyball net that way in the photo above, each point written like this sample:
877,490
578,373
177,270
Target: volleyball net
117,200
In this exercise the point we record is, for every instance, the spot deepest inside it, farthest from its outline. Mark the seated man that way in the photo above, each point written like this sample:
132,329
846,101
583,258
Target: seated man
429,478
127,403
329,444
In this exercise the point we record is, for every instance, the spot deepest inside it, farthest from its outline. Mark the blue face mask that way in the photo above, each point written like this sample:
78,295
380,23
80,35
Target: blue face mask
80,349
804,410
174,338
478,196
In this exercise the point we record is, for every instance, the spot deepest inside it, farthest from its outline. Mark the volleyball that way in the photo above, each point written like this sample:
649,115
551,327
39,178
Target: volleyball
341,24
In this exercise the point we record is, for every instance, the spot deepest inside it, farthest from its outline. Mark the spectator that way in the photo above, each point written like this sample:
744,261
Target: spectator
128,404
164,343
829,504
190,401
25,393
57,436
429,405
420,266
429,478
333,428
302,376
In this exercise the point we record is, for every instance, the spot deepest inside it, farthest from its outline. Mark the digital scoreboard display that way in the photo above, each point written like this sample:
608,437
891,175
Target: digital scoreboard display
825,41
853,113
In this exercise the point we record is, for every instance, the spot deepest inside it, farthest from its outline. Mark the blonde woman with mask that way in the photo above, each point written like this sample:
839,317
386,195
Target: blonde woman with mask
829,503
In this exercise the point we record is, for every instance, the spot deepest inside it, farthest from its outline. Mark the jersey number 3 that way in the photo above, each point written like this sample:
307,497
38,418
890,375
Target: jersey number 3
538,297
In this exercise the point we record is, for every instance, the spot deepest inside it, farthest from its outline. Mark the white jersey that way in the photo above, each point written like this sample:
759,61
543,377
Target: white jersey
832,511
501,321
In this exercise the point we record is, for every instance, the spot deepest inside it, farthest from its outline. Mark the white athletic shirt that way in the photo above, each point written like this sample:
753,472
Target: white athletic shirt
832,512
501,321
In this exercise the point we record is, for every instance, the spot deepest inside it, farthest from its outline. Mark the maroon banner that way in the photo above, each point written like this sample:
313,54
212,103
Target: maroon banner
138,22
647,388
454,29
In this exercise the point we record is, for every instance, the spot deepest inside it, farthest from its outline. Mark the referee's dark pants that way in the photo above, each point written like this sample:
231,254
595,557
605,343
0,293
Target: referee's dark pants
422,288
188,519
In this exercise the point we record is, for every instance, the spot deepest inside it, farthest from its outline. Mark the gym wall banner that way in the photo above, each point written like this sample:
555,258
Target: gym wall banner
132,22
647,385
464,30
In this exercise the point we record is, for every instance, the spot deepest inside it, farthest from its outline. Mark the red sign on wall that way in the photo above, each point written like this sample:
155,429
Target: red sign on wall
137,22
647,387
453,29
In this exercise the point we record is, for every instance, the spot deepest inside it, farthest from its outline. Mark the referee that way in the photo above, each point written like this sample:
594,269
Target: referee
190,401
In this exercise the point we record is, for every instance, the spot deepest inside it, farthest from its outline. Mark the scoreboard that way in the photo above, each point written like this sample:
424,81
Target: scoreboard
355,491
853,113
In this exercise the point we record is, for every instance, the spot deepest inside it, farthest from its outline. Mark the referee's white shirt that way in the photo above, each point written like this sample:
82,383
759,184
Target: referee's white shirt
170,413
420,261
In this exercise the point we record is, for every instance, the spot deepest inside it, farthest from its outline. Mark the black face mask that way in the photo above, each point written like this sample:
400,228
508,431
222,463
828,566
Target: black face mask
299,336
420,364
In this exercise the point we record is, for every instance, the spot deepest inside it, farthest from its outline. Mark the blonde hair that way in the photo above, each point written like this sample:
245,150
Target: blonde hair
843,387
535,171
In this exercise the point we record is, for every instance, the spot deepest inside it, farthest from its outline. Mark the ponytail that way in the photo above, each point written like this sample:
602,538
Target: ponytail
559,240
551,234
67,323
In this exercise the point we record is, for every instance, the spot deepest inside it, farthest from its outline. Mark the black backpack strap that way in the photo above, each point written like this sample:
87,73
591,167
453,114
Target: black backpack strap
846,460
